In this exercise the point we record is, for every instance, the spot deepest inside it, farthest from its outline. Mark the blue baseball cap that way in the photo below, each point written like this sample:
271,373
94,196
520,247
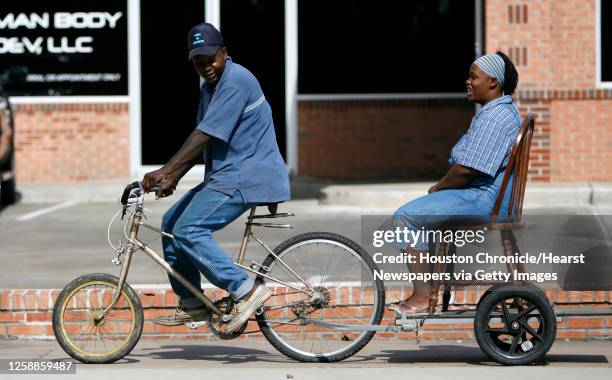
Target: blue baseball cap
203,39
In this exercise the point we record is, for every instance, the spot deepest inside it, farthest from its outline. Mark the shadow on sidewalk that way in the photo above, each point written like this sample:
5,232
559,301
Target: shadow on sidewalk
471,356
427,354
222,354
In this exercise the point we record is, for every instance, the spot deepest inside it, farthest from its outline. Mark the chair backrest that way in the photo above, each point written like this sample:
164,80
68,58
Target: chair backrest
518,165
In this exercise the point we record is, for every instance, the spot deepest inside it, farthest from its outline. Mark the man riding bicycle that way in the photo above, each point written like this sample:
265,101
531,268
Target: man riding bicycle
244,167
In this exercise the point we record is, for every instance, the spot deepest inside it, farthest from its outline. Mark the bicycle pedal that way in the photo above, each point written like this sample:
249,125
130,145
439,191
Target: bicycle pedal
408,321
195,325
407,325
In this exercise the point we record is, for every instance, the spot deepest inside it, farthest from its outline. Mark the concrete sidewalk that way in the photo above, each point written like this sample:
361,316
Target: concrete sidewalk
258,353
367,195
256,359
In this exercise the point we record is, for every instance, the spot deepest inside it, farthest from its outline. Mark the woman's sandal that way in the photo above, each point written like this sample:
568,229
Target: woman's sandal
401,306
460,308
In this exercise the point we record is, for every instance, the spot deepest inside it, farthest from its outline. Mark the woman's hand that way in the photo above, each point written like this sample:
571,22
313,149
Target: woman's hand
456,177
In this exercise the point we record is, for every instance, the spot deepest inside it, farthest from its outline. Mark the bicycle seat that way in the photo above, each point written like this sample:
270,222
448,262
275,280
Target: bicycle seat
272,207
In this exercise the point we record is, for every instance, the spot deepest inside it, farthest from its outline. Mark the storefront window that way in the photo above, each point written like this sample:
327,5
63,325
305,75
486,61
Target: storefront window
384,46
254,32
169,83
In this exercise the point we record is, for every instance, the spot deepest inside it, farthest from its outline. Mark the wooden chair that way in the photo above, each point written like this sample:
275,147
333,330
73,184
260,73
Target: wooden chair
517,168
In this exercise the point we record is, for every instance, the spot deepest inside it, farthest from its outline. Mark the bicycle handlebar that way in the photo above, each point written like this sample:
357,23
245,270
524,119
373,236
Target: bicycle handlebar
128,189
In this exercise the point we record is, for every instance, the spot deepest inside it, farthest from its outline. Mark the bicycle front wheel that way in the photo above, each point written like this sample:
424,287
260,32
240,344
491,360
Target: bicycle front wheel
335,284
84,332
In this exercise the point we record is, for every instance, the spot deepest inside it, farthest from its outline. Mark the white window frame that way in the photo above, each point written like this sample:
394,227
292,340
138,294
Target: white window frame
291,80
599,83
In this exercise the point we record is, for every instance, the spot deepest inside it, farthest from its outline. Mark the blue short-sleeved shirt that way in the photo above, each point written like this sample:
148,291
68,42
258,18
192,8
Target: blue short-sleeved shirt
242,153
487,144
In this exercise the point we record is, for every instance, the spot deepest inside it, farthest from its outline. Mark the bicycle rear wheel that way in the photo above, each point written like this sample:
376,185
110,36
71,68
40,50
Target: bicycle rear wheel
343,291
83,332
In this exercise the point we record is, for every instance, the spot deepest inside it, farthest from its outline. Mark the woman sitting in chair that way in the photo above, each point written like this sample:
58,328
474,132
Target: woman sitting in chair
477,163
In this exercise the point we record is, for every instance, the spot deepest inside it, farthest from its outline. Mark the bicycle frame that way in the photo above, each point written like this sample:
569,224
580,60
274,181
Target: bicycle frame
133,244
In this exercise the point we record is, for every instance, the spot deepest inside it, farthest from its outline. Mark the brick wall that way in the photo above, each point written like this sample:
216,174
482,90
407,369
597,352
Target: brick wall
557,37
540,157
573,136
557,69
26,313
582,138
71,142
358,139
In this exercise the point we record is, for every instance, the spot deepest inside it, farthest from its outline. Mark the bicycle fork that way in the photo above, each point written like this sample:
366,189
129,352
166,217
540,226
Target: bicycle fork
129,250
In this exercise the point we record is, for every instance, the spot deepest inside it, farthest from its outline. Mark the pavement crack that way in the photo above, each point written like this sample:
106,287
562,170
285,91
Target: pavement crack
44,354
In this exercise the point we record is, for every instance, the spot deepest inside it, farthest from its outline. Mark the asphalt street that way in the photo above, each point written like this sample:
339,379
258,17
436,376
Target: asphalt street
48,245
49,250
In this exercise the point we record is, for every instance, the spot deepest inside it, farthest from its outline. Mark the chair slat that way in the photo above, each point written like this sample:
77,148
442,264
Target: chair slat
518,165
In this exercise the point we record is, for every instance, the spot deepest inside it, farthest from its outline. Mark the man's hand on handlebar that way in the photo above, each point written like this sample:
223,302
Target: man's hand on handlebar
164,181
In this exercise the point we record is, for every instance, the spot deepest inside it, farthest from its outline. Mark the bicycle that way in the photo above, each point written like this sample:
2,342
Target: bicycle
307,318
98,318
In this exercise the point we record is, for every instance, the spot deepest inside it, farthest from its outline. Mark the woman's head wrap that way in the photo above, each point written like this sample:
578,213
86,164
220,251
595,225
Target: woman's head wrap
493,65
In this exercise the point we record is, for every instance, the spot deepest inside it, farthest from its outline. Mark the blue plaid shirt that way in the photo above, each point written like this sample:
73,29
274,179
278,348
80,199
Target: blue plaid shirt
487,144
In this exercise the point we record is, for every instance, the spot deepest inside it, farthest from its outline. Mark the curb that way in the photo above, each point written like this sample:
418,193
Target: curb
89,192
370,196
392,196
